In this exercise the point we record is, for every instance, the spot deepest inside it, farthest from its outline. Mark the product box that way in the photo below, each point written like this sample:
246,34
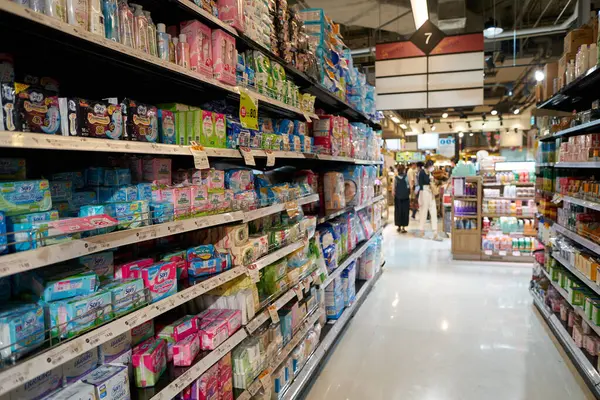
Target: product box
193,127
76,391
149,361
232,12
186,350
142,332
157,170
127,295
40,386
213,335
132,269
53,287
219,138
207,136
115,348
79,366
576,38
166,124
69,318
160,279
181,199
180,329
142,122
180,128
224,56
20,197
111,382
101,263
199,38
550,72
23,327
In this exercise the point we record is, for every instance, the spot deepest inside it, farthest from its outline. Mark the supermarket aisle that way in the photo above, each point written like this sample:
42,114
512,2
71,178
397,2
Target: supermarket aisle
434,329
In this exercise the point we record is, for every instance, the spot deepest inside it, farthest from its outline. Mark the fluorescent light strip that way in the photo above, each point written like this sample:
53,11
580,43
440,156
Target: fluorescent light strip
420,12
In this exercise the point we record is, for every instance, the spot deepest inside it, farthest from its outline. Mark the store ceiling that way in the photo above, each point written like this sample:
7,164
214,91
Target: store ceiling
510,64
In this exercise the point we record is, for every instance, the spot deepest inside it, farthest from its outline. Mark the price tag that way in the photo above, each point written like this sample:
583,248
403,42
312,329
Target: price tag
248,110
265,379
502,253
248,156
487,252
273,313
298,291
252,271
292,208
270,158
517,253
200,156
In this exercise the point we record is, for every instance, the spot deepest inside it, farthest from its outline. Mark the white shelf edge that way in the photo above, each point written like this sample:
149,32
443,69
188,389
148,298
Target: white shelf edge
587,281
275,208
373,201
43,256
14,376
350,209
577,164
563,336
357,252
312,363
577,238
585,203
277,254
186,379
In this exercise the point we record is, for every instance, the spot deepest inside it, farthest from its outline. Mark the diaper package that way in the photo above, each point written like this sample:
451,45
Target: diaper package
76,391
232,236
142,332
149,361
22,329
127,295
112,350
200,203
101,263
40,386
160,279
71,317
239,179
333,190
210,178
261,244
181,199
327,134
79,366
20,197
243,255
110,381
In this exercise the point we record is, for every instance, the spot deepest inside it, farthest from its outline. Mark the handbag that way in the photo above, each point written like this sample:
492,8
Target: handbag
435,189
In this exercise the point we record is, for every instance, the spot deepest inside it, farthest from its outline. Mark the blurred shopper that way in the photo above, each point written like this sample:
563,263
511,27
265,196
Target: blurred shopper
401,199
412,182
427,195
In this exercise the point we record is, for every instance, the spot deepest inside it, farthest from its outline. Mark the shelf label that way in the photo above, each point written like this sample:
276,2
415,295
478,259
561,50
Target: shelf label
516,253
273,313
248,156
265,379
252,271
248,110
270,158
200,156
487,252
501,253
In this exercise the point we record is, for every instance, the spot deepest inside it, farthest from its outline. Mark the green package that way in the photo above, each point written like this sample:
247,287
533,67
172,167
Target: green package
180,128
207,135
175,107
193,126
219,131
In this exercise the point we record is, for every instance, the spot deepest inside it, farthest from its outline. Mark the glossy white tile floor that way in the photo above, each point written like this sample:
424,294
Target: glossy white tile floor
437,329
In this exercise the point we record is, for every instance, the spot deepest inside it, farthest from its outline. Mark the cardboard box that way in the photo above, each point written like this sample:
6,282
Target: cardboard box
576,38
550,72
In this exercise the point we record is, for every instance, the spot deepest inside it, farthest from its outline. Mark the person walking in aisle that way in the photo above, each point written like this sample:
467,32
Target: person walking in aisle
427,200
401,199
412,183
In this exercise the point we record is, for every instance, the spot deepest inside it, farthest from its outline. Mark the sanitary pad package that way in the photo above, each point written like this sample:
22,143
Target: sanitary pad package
101,263
111,382
21,329
79,366
40,386
142,332
115,348
127,295
160,279
186,350
149,362
69,318
21,197
64,285
76,391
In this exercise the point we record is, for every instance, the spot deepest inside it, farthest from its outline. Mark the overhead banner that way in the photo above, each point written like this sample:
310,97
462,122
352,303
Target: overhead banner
446,147
431,70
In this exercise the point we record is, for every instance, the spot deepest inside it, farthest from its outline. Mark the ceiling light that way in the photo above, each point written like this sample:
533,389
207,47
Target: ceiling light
395,119
517,111
491,29
415,131
433,127
494,112
445,115
403,126
539,75
510,92
420,12
460,134
471,134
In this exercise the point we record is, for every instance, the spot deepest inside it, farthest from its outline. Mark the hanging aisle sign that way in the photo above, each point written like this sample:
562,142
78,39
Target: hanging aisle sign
446,147
248,110
431,70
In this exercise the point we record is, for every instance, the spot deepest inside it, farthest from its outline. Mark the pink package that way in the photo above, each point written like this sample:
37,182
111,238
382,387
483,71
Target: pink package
181,329
160,279
213,335
233,318
186,350
199,37
221,200
232,13
195,176
224,56
213,178
132,269
225,368
208,316
200,203
327,135
181,198
157,170
149,362
208,384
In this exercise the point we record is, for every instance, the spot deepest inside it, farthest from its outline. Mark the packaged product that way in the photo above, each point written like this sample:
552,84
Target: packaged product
157,170
111,382
112,350
180,329
166,124
213,334
142,122
37,109
132,214
142,332
149,361
79,366
239,179
76,391
162,212
186,350
40,386
181,199
70,317
58,286
22,228
20,197
127,295
160,279
13,169
223,56
22,329
199,38
333,190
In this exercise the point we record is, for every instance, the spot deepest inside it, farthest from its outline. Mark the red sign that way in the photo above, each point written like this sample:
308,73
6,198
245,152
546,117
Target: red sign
459,44
390,51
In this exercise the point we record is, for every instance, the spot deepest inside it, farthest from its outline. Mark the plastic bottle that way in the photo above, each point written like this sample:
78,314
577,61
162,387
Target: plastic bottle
96,17
171,49
77,13
151,34
175,42
56,9
183,51
126,24
37,5
110,9
162,42
140,28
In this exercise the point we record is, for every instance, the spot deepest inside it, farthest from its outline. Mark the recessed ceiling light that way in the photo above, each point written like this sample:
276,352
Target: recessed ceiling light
433,127
517,111
460,134
494,112
471,134
539,75
445,115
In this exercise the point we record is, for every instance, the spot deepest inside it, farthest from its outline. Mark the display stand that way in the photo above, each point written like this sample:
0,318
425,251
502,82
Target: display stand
466,221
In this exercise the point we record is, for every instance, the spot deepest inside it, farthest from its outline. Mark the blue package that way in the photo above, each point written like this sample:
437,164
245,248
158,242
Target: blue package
19,197
3,237
22,231
132,214
127,295
117,177
198,267
117,194
202,252
71,317
144,191
103,264
161,212
61,190
63,286
21,329
233,133
299,128
83,199
94,176
166,124
285,127
285,323
255,139
75,177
